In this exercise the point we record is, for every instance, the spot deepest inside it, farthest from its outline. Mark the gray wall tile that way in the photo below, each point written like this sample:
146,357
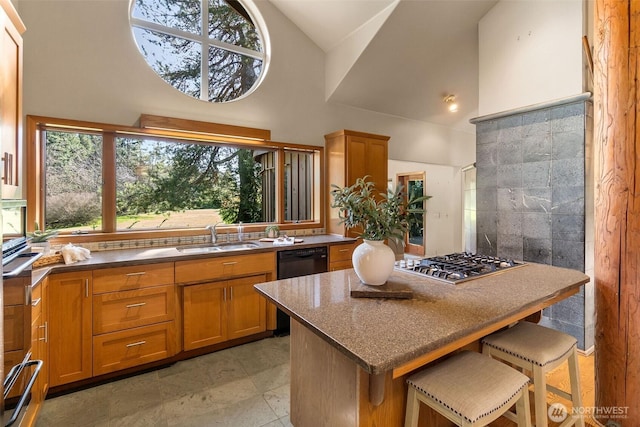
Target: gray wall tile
486,177
487,222
510,199
567,200
509,246
536,199
510,223
487,155
568,254
486,127
567,145
537,148
567,172
509,176
486,199
536,123
536,225
536,250
568,227
509,151
536,174
487,244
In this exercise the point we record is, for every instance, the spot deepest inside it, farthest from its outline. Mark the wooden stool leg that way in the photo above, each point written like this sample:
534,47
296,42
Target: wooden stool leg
413,408
540,396
523,410
574,376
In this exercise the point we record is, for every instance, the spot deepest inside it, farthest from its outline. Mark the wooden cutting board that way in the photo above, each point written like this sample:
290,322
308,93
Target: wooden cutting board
391,289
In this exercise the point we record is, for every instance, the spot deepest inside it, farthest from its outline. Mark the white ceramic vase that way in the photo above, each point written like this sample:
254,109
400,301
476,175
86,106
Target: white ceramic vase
373,262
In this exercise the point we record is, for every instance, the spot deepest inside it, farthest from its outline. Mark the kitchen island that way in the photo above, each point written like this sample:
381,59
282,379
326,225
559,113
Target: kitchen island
350,356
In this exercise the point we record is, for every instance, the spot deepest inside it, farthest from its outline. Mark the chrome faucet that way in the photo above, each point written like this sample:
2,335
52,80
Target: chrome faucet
212,230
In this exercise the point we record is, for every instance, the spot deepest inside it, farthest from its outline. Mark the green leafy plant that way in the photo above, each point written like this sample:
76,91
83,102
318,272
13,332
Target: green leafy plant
379,215
40,236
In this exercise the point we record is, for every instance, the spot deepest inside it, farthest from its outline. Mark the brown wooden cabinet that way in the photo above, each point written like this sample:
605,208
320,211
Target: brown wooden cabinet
70,335
340,256
134,311
219,301
219,311
352,155
10,100
246,308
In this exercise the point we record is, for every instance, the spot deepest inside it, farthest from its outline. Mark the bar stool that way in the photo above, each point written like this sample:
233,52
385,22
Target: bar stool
469,389
539,350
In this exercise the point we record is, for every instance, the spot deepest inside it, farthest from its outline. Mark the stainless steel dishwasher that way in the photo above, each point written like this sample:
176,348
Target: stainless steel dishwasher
295,263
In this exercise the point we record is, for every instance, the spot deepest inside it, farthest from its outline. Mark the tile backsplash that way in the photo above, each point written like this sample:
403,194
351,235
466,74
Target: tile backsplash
182,240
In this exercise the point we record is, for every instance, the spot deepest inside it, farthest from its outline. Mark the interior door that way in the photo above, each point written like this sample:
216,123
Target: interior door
414,184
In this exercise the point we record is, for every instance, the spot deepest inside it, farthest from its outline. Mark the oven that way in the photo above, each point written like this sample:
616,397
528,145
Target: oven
20,371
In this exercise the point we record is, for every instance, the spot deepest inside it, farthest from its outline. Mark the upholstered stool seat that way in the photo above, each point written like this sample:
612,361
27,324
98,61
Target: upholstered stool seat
469,389
538,350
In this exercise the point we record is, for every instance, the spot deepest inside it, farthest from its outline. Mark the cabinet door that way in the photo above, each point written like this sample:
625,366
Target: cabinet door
204,315
10,102
247,308
70,327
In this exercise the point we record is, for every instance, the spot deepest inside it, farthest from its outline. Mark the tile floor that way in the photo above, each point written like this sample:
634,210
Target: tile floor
241,386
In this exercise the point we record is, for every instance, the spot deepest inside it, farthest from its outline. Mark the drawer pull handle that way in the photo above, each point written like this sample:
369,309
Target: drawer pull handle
344,250
36,302
46,332
86,288
139,304
140,273
230,263
135,344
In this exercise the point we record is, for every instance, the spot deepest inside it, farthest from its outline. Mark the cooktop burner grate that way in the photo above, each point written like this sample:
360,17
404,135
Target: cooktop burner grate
458,267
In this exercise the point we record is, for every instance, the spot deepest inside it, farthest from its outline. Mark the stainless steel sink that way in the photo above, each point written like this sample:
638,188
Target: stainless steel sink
218,247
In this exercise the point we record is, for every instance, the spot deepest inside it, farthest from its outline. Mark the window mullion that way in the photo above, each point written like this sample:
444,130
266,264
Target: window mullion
109,218
204,56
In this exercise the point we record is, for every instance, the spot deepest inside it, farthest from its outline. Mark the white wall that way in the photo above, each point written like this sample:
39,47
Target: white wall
81,63
530,52
443,228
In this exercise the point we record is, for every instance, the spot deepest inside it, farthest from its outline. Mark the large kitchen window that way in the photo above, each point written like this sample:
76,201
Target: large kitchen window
105,178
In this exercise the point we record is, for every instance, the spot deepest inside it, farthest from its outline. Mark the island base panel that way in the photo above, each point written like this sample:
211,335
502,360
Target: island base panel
329,389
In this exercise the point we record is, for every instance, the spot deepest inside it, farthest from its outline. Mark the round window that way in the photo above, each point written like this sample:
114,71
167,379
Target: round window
209,49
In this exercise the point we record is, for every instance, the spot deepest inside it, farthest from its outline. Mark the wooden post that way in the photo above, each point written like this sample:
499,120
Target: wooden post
617,206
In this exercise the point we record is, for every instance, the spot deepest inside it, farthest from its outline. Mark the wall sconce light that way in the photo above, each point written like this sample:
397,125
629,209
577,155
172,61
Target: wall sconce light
452,105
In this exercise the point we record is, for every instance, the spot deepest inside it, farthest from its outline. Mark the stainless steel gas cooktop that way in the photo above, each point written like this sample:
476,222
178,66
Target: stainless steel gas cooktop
457,267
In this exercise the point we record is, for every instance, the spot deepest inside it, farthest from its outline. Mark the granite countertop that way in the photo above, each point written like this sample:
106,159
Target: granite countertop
383,334
119,258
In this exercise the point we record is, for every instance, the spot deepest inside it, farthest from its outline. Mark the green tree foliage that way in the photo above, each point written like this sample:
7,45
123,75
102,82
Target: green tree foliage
160,176
74,179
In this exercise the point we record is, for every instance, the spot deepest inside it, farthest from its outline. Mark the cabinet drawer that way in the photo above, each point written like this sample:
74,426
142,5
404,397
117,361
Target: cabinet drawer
341,252
340,265
133,347
221,267
133,277
121,310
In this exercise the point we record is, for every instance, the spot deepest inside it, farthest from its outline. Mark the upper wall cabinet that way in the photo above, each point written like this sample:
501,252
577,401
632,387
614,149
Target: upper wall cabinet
352,155
10,101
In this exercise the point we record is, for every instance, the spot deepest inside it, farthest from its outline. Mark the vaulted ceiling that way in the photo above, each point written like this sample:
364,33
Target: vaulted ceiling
397,57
